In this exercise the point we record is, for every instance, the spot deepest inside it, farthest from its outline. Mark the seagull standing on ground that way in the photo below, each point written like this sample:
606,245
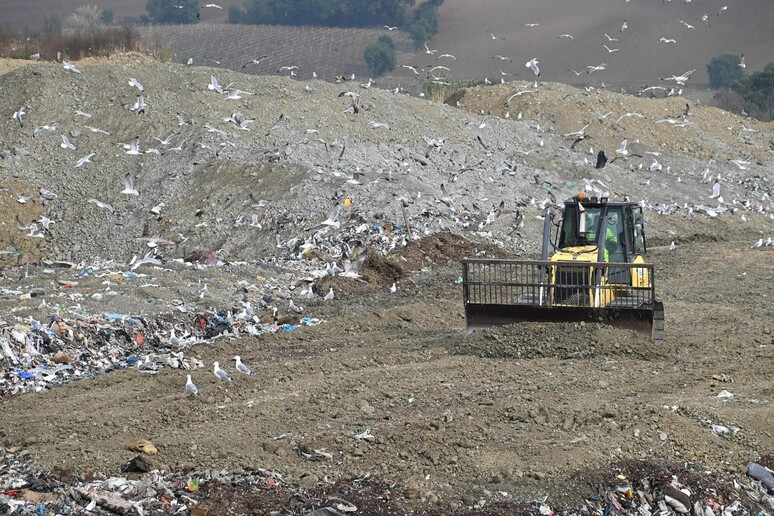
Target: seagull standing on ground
329,295
220,373
715,190
190,387
241,367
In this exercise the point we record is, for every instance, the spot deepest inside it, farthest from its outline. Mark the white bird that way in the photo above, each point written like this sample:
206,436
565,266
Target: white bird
85,159
214,6
533,64
447,55
190,387
190,61
626,115
331,221
103,205
624,26
220,373
715,190
741,62
611,49
241,367
97,130
565,36
416,72
610,39
672,246
234,94
18,114
390,28
680,79
292,307
69,66
46,222
428,51
622,151
393,288
129,186
667,40
66,143
134,147
757,244
139,105
214,85
687,25
51,126
134,82
329,296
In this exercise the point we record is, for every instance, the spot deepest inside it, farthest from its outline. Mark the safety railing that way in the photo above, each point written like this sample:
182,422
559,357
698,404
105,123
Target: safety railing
558,284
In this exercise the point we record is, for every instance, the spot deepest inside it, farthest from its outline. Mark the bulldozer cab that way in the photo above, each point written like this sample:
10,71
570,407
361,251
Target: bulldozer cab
615,227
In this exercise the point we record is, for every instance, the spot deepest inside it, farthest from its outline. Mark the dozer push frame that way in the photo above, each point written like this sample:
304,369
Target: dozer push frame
597,273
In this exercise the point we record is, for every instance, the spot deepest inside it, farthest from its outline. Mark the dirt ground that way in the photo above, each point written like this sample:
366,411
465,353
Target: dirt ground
391,386
388,403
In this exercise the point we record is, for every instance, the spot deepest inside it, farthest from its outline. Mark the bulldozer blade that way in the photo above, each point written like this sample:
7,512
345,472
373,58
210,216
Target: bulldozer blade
648,321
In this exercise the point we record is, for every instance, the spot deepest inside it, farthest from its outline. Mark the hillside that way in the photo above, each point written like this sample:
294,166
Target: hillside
294,148
372,396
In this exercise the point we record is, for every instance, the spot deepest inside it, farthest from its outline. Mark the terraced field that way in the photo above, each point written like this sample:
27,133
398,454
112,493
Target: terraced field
323,50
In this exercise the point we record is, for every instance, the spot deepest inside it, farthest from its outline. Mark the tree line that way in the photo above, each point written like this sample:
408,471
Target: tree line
752,93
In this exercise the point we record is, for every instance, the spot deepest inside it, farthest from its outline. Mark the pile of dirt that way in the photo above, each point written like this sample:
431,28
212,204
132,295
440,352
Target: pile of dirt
556,340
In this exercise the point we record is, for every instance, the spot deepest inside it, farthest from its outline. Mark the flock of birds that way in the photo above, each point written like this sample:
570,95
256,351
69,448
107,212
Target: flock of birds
220,374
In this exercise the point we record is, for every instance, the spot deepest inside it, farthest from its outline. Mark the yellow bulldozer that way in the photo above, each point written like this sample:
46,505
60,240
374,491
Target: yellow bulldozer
596,273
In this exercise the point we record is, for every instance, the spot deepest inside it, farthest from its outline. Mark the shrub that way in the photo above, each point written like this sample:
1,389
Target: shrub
380,56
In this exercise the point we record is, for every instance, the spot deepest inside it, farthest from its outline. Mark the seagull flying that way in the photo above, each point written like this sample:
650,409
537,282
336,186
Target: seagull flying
51,126
129,186
103,205
622,150
220,373
331,221
18,114
69,66
611,50
134,147
134,82
85,159
66,143
254,61
533,64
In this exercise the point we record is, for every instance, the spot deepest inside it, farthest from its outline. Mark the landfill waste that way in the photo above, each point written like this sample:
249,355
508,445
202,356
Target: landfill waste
633,488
